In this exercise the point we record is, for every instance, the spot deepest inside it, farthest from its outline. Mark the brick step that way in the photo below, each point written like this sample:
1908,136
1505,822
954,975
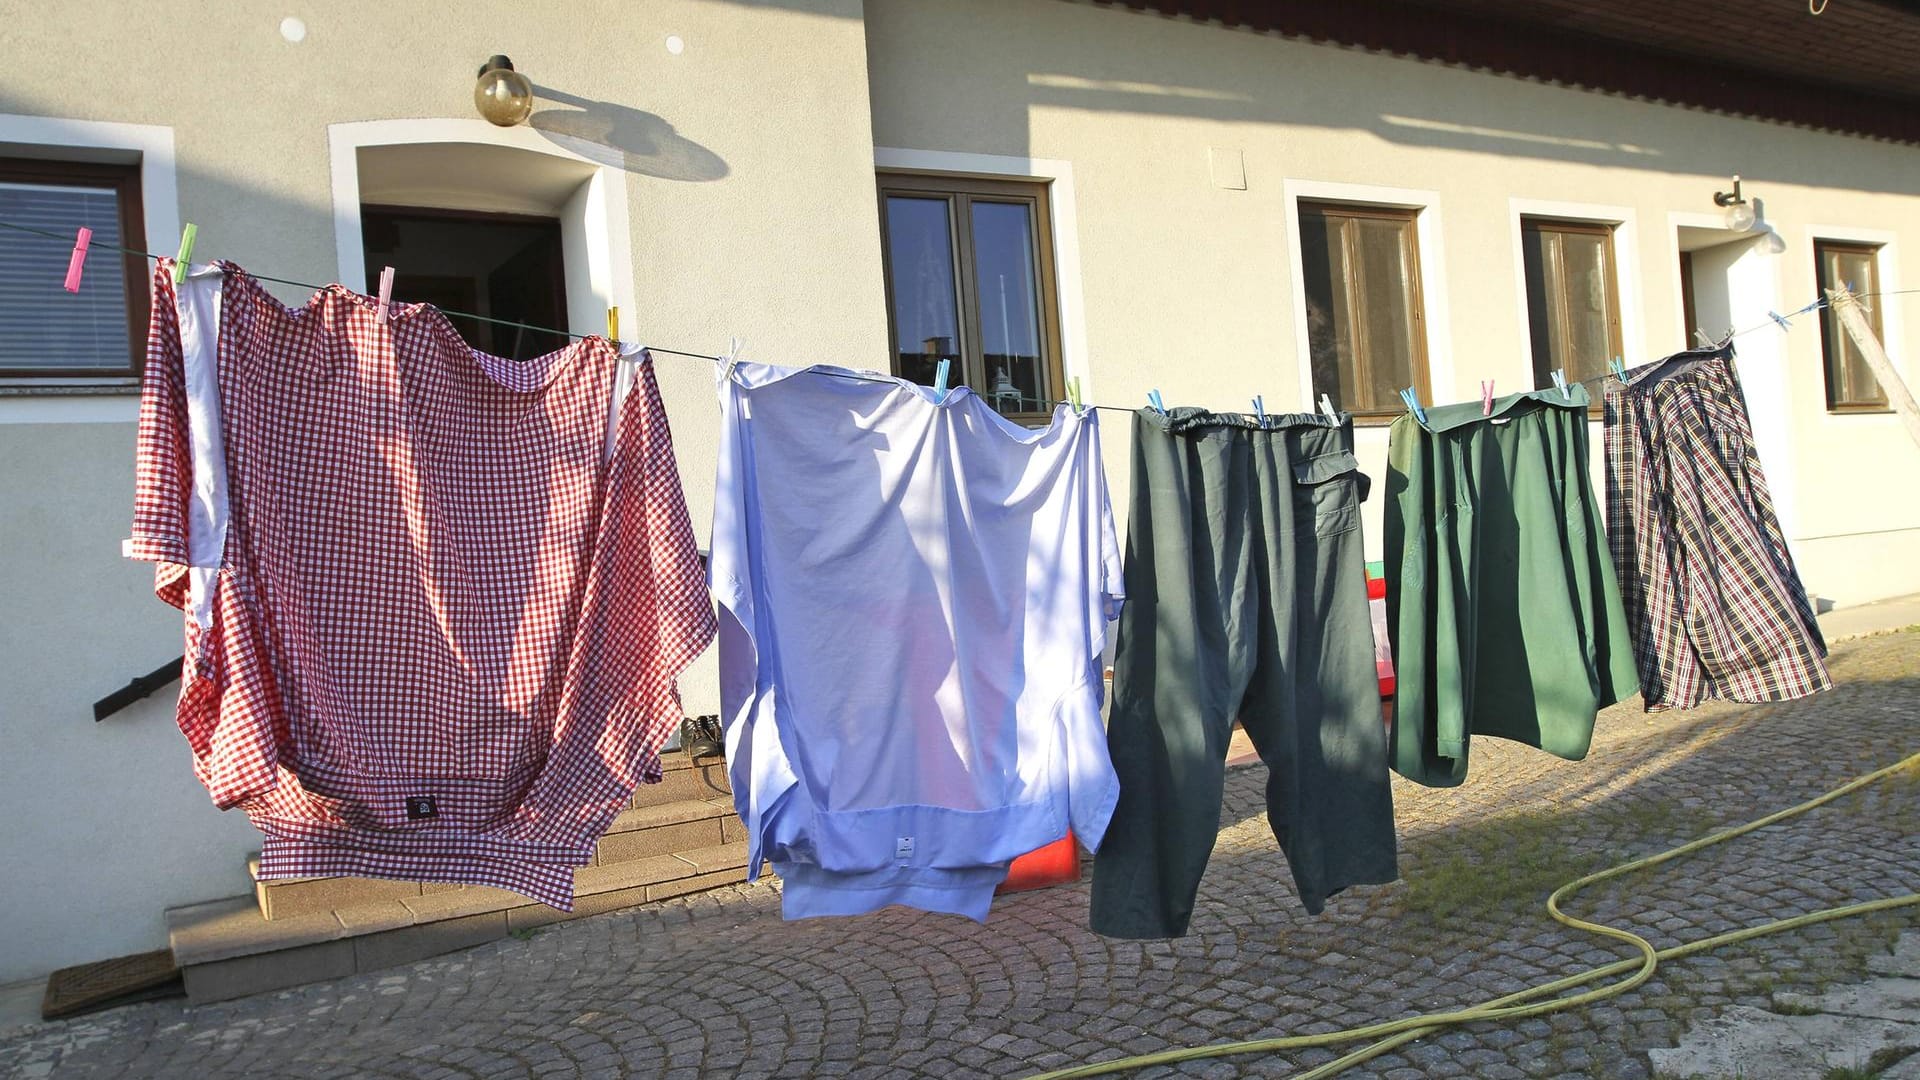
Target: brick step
684,779
641,833
229,948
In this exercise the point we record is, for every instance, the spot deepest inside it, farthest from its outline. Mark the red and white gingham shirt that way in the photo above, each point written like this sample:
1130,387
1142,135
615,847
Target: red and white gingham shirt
447,623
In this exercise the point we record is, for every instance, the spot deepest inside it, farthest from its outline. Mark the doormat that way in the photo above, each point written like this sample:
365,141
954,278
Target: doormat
76,991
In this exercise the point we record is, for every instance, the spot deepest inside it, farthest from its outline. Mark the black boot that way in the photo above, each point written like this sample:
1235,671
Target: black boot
700,737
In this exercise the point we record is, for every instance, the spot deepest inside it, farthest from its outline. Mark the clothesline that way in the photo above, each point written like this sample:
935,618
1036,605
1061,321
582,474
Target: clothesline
1775,320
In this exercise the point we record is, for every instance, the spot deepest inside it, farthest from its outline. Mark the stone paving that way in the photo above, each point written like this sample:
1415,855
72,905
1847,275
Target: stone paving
718,985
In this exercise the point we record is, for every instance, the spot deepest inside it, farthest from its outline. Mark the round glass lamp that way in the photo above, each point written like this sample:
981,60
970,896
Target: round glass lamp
503,95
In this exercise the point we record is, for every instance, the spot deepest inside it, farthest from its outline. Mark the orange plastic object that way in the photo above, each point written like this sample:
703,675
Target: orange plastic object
1056,864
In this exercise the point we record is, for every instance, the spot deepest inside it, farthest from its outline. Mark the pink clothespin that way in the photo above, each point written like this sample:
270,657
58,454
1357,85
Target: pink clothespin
1486,397
386,292
79,261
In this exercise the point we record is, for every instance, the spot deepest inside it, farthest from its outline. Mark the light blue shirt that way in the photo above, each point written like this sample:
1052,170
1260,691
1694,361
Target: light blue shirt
914,600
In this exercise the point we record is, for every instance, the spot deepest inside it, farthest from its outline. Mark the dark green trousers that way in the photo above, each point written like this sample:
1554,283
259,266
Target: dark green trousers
1246,600
1501,598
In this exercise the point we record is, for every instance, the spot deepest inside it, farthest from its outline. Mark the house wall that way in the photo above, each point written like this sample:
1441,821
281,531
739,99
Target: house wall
1192,287
750,211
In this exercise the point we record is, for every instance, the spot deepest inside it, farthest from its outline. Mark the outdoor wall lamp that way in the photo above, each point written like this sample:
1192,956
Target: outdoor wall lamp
503,95
1739,210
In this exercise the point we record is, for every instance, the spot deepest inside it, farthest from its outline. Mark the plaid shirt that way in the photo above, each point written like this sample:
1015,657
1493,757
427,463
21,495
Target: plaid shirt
448,622
1714,603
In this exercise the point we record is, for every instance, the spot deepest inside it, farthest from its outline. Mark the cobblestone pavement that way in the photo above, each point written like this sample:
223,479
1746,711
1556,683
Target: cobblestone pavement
718,985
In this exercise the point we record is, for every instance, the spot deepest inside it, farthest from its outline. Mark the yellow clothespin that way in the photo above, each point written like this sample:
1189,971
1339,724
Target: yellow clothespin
1073,392
613,325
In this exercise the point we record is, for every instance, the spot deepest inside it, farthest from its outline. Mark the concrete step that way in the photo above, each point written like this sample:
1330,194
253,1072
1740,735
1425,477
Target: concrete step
229,948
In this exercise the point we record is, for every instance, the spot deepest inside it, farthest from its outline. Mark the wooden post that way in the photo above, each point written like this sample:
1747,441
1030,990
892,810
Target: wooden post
1848,309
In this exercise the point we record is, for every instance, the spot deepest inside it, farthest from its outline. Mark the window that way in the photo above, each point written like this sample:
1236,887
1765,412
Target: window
1851,386
46,333
970,280
500,266
1365,329
1573,299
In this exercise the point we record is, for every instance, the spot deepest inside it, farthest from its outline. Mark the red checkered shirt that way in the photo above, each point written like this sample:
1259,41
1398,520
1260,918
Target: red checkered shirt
448,620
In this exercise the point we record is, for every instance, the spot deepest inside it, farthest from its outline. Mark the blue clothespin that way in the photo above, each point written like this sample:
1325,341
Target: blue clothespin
940,381
1260,410
1160,407
1619,369
1413,404
1560,383
1779,318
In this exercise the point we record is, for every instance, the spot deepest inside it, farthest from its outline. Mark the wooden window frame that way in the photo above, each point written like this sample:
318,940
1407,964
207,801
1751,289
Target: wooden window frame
1830,330
960,193
1356,299
125,181
1615,336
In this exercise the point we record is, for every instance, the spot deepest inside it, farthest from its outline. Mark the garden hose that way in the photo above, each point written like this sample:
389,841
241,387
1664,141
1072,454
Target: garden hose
1393,1033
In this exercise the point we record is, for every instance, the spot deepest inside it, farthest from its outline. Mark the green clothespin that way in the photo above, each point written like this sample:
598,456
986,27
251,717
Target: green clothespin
187,236
1073,393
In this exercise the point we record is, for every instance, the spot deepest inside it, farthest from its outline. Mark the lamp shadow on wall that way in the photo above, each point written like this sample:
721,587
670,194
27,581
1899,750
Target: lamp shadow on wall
623,138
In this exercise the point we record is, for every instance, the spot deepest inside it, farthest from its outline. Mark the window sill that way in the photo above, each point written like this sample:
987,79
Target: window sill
1859,410
28,386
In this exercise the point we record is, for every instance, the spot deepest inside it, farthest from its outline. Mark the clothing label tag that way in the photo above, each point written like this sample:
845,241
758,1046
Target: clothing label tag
420,807
903,848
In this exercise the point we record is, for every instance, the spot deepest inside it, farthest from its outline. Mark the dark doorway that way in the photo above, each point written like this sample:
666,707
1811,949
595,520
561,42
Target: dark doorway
502,266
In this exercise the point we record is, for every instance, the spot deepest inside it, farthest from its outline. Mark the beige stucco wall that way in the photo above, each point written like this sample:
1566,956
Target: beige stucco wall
1186,286
107,826
1189,287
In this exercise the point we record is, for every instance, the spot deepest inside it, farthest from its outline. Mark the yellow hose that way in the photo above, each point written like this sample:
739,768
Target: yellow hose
1393,1033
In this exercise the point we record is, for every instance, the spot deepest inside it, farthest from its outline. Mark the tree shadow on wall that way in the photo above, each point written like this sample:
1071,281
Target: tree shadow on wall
624,138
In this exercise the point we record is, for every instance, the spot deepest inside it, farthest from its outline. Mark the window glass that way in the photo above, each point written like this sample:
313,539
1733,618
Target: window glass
926,310
1362,288
969,264
1573,317
1850,382
44,328
1009,294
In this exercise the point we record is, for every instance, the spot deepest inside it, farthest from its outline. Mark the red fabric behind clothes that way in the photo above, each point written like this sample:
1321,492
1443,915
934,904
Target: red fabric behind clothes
437,585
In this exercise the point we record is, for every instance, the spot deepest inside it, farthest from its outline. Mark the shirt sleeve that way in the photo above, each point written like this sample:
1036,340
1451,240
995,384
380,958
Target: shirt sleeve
163,466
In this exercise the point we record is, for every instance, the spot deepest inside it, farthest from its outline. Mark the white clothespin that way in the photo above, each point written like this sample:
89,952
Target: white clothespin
1326,406
386,293
1701,337
732,359
1560,383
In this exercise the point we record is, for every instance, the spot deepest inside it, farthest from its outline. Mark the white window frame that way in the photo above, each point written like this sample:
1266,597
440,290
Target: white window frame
596,239
56,138
1058,176
1434,315
1626,268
